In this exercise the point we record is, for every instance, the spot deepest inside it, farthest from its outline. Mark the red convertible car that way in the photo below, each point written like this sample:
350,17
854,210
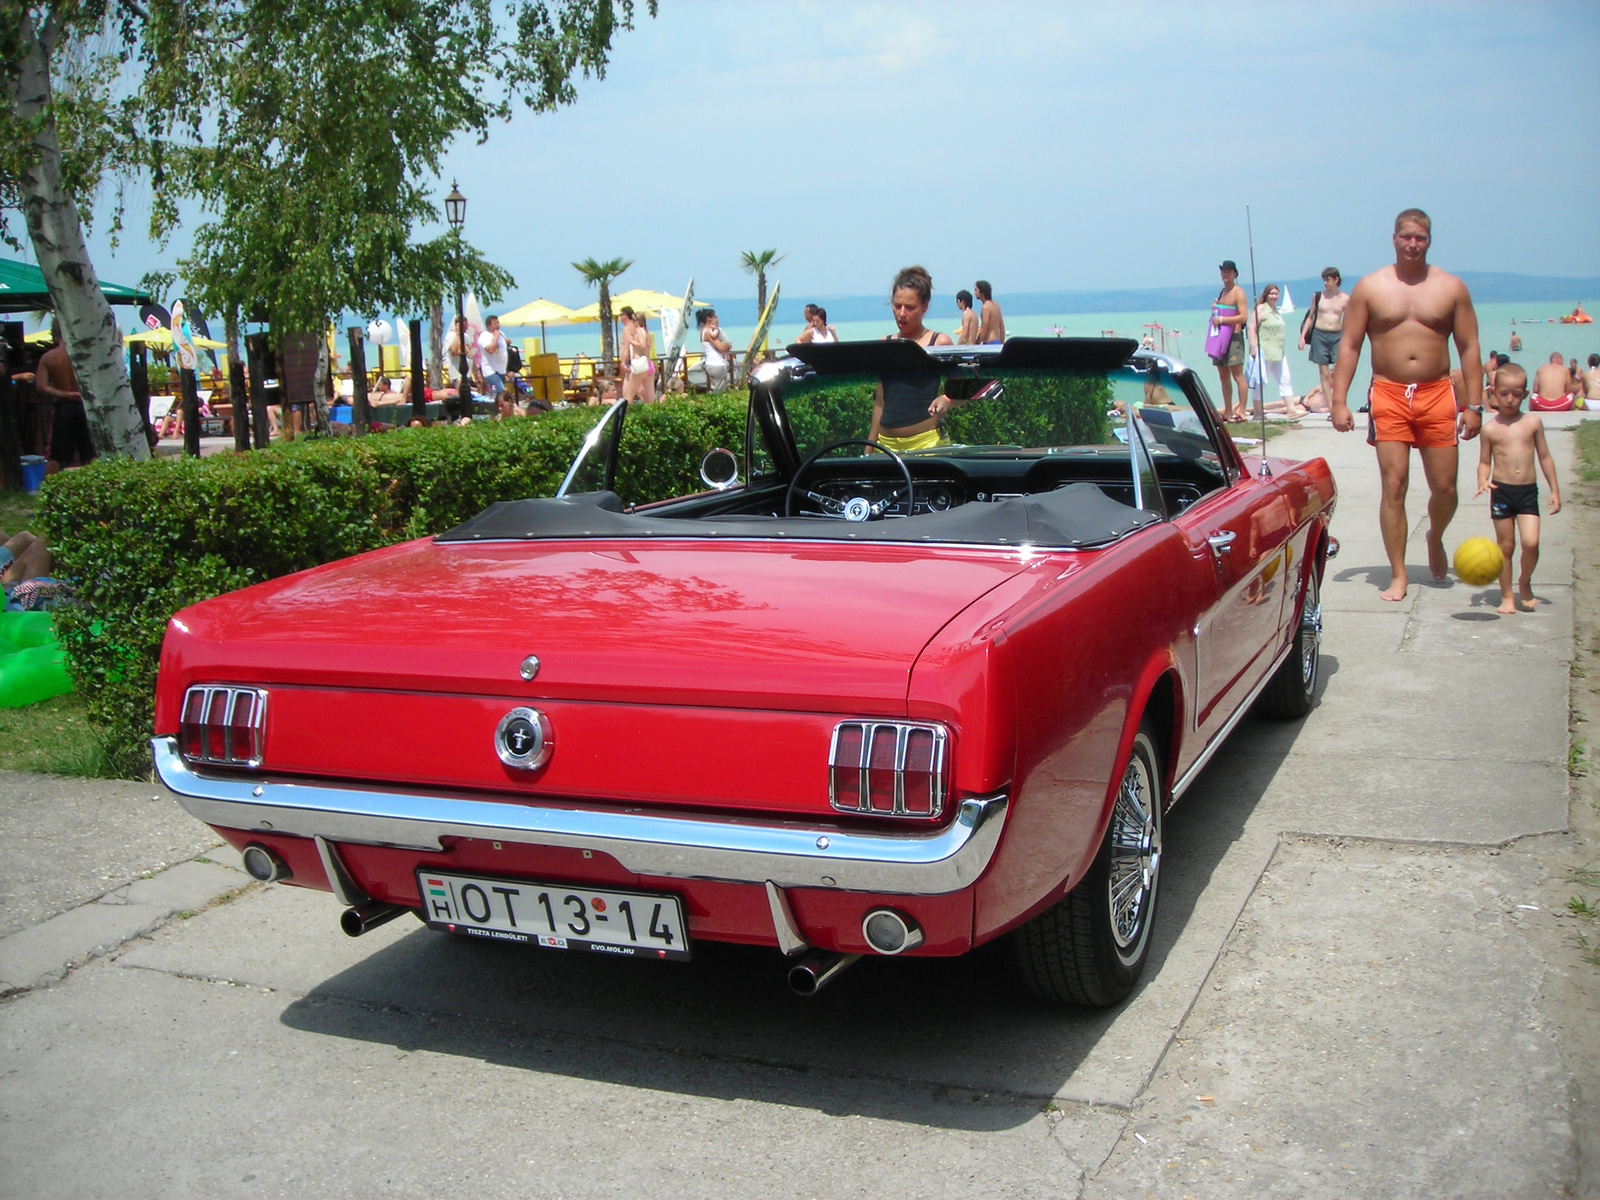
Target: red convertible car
853,699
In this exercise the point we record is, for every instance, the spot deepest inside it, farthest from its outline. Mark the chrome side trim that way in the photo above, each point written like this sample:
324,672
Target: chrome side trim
735,849
1215,743
790,940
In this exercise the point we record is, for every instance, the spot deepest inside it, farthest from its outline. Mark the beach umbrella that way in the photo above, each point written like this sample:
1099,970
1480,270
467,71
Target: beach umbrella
540,312
161,339
643,300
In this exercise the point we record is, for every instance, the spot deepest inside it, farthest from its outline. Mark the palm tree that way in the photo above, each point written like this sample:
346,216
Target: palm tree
756,263
600,274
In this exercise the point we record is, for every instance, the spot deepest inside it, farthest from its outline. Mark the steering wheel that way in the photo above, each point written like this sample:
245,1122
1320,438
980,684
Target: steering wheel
856,509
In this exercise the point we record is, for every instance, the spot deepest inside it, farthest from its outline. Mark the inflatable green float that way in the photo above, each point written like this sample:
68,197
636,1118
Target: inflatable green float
33,666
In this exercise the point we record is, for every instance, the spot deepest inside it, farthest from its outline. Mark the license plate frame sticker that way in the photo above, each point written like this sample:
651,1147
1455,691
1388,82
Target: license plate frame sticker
556,916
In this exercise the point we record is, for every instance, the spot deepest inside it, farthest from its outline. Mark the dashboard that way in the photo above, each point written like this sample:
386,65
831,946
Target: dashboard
932,495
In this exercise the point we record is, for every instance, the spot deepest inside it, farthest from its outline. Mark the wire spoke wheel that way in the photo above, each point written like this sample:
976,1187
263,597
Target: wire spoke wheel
1135,858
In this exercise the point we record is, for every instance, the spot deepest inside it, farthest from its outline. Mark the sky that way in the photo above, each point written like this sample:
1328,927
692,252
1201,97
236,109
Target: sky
1041,146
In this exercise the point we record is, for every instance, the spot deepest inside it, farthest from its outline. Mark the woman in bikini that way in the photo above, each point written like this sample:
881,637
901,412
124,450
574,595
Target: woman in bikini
638,387
1230,308
907,408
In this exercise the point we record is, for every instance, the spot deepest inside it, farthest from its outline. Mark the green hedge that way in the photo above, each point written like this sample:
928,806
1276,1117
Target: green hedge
140,541
1040,409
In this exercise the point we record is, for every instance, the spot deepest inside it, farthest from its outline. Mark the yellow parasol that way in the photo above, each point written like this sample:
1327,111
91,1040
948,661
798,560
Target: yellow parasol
161,339
539,312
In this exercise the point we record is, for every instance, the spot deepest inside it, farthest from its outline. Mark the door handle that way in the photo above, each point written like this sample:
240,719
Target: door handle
1222,542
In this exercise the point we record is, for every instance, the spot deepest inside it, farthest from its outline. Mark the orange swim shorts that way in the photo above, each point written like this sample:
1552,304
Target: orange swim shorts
1419,414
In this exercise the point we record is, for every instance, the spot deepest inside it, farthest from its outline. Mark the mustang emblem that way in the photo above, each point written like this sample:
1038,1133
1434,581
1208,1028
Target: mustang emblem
523,740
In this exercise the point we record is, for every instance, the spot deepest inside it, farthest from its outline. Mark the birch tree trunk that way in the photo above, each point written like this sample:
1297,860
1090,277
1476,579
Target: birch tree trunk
93,342
436,358
320,386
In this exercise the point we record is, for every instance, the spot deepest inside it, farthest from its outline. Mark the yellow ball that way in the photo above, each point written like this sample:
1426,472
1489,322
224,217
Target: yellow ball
1478,561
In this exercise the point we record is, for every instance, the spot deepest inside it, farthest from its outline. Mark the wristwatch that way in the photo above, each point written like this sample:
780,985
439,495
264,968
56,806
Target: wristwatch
1476,408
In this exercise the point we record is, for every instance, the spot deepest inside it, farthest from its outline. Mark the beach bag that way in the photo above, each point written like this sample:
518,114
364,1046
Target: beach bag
1252,373
1310,323
1218,338
513,359
639,365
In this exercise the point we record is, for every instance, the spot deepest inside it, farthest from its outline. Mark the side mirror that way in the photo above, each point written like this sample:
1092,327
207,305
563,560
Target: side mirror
720,469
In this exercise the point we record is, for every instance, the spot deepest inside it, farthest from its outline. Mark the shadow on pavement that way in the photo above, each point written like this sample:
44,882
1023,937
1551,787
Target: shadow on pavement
725,1025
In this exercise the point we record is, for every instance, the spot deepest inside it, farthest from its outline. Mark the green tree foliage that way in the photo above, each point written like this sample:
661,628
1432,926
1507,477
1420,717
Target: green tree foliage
600,274
310,132
756,262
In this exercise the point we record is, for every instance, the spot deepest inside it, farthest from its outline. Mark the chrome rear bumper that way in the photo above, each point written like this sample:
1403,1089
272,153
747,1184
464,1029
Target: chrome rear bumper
734,849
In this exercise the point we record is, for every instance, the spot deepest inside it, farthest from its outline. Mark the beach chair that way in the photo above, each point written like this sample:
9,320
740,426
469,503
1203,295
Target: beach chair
580,382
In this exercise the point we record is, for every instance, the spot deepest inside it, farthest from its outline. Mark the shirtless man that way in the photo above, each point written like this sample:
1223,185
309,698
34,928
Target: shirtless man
1324,325
1411,312
1552,386
69,424
991,325
969,319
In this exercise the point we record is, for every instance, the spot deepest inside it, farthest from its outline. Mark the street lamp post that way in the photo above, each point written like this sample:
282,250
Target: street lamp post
455,211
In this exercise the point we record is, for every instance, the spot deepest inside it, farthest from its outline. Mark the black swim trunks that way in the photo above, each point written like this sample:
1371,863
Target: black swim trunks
1507,500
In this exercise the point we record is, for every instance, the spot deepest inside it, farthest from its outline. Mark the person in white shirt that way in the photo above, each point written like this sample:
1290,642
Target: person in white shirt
821,331
718,350
496,354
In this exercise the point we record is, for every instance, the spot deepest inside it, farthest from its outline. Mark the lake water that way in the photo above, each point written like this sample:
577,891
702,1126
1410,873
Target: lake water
1184,332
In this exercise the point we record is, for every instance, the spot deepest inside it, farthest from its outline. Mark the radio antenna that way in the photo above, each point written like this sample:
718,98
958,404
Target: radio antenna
1261,375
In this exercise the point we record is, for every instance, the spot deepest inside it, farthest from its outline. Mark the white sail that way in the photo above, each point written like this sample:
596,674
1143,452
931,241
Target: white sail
1288,304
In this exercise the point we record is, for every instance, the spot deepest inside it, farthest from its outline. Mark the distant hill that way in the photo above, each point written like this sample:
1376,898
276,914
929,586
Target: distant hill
1488,287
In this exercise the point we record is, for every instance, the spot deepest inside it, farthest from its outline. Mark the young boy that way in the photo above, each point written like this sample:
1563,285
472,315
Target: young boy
1511,442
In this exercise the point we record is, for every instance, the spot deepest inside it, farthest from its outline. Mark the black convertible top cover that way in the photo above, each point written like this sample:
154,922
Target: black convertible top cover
1077,515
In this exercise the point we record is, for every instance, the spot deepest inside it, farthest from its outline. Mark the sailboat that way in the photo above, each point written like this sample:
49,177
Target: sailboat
1288,304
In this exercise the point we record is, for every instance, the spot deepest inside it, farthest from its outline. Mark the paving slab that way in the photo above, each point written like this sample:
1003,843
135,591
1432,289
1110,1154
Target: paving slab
44,952
1373,1030
65,842
228,1097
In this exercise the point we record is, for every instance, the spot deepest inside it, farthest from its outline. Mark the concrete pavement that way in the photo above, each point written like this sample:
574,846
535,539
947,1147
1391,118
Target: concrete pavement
1351,991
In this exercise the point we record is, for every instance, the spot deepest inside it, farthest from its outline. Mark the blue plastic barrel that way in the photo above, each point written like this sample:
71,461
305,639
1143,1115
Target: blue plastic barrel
32,471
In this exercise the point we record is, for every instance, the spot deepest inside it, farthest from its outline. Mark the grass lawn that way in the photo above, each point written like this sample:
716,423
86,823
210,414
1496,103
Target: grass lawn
1589,450
52,736
17,511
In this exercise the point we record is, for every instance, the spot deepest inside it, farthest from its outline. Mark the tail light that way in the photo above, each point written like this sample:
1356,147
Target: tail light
223,726
887,768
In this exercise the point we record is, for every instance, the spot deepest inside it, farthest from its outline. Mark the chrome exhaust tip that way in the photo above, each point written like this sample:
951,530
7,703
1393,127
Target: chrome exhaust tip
889,932
264,865
815,971
365,917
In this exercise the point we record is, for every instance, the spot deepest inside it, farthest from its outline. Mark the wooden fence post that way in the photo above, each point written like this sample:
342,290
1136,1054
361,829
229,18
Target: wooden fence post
419,405
189,390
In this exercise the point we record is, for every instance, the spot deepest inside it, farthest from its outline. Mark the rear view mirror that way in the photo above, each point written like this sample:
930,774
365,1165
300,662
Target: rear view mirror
720,469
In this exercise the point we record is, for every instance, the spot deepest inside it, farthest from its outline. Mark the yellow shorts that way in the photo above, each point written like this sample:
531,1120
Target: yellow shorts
928,439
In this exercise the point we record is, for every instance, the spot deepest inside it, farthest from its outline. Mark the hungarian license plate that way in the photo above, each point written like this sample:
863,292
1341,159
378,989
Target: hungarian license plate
556,915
